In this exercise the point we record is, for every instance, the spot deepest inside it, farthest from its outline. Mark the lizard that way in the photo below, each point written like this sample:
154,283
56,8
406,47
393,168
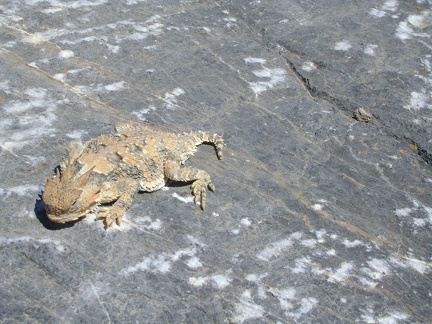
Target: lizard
104,174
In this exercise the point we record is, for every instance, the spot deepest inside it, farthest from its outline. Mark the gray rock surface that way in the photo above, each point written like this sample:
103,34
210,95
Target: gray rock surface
317,217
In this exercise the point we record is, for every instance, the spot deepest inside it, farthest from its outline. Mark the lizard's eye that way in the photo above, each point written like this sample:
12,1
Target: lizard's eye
73,205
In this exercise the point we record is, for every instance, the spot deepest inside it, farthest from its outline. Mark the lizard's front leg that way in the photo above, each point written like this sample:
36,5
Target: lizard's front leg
122,192
201,180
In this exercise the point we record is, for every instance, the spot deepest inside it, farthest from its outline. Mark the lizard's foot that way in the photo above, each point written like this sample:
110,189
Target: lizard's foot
110,214
199,189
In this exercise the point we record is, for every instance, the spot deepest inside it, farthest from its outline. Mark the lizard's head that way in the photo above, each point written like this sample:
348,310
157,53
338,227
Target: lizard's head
67,198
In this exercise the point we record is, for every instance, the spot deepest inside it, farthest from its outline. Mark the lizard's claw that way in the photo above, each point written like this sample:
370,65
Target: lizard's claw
110,214
199,189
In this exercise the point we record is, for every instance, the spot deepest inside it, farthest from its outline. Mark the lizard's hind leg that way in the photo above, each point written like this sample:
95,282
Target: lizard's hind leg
201,180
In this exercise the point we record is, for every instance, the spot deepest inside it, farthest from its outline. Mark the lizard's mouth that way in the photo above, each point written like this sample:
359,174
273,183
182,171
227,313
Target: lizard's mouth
63,218
70,216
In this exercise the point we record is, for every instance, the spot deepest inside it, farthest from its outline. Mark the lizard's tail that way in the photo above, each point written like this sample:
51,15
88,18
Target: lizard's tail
203,137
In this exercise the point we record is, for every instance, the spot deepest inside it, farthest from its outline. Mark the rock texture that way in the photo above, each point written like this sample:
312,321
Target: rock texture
318,217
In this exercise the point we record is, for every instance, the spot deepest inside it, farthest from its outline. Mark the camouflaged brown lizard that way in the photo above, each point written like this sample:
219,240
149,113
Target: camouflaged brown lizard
105,173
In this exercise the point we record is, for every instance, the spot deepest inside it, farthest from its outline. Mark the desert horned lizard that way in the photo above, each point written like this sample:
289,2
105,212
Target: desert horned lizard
106,172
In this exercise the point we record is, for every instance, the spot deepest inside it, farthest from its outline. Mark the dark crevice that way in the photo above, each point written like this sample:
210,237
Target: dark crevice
343,105
349,108
423,153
